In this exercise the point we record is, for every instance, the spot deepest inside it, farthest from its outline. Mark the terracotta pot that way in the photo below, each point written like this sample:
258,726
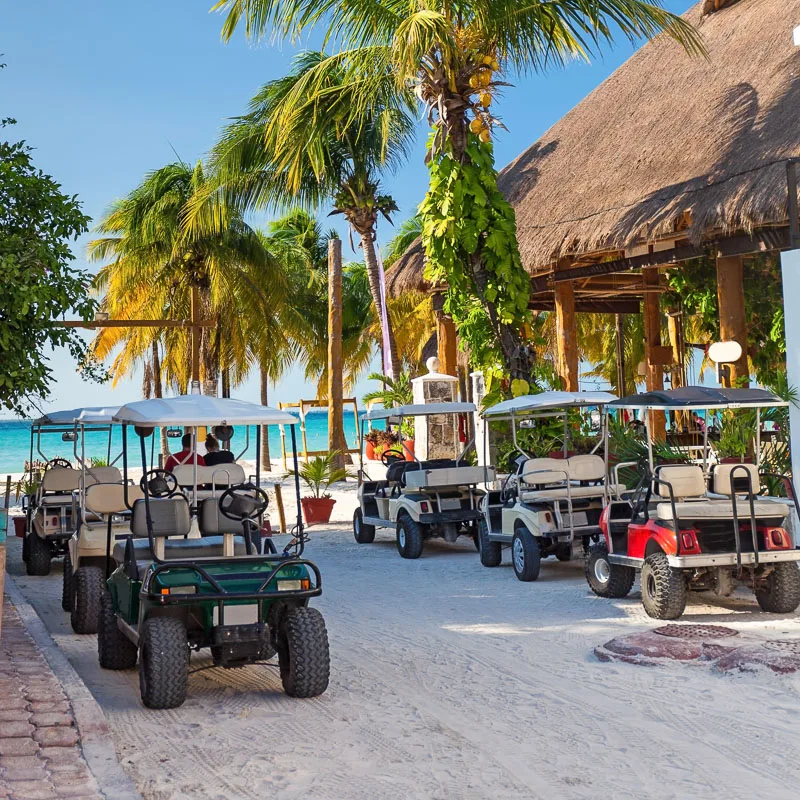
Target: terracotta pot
317,509
370,450
19,526
408,446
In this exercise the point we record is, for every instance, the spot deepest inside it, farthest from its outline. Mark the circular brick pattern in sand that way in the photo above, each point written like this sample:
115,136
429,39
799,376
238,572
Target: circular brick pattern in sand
696,631
787,648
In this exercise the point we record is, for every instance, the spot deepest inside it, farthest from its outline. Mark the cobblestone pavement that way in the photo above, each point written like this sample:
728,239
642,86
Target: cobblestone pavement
40,754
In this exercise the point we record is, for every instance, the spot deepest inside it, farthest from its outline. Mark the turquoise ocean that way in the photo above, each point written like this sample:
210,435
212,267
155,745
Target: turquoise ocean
15,441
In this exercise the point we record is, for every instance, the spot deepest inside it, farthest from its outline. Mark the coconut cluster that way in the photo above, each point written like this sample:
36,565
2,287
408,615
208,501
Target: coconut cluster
481,98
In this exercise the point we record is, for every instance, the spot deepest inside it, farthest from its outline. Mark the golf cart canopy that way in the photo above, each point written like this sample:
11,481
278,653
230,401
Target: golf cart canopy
97,416
69,416
394,415
700,398
546,401
193,410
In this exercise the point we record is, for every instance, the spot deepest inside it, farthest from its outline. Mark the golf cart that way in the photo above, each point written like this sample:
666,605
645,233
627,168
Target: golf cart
700,525
419,499
50,511
170,593
546,503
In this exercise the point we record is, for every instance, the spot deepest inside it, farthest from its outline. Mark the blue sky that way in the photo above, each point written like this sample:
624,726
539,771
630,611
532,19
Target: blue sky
105,91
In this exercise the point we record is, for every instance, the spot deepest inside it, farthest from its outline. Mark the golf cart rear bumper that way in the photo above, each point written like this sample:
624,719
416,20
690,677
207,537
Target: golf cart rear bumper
461,515
729,559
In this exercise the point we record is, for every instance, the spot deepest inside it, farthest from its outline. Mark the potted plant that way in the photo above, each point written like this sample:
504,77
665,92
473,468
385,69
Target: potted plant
318,474
407,429
387,440
372,440
736,438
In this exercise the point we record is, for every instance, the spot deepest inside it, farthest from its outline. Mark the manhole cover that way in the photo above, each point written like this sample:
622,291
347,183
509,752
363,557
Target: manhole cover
788,648
696,631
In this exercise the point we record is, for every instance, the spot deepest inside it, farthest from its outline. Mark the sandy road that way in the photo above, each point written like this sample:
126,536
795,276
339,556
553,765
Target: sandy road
455,681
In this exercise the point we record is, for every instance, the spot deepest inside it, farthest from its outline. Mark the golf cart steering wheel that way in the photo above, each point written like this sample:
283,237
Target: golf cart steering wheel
243,502
159,483
389,457
58,462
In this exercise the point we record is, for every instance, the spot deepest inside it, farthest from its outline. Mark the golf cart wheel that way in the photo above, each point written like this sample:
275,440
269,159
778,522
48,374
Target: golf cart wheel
303,652
39,555
409,537
114,649
779,592
525,554
564,552
66,584
88,585
364,534
663,588
606,579
163,662
491,552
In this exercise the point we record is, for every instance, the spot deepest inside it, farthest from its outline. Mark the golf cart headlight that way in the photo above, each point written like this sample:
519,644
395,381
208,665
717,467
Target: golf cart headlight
191,589
294,586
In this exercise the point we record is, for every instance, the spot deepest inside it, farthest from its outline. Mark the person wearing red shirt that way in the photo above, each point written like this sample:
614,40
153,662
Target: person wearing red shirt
186,456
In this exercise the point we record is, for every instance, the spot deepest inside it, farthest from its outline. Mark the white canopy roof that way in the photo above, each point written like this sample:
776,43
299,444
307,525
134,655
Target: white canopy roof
419,410
196,409
69,416
97,416
532,403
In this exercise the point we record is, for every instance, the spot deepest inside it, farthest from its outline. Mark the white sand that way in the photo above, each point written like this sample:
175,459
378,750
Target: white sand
450,680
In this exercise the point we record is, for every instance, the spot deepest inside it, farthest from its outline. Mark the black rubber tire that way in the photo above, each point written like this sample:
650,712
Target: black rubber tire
525,554
88,586
780,590
491,552
303,652
620,579
39,555
664,588
563,552
163,662
363,534
410,533
114,649
66,584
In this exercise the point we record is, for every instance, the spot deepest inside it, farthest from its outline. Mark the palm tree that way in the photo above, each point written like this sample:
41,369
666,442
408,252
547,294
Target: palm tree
452,56
155,265
298,144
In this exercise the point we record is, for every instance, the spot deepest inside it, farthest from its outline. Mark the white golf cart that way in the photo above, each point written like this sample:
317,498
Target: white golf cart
420,499
546,503
699,525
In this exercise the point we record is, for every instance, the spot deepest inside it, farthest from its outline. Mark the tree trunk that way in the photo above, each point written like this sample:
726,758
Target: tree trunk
336,440
158,391
266,462
373,274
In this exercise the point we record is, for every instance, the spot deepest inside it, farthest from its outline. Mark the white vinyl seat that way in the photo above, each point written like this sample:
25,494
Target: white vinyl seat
721,509
551,476
220,477
103,499
721,478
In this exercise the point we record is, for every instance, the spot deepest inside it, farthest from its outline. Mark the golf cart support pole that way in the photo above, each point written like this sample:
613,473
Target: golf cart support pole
297,490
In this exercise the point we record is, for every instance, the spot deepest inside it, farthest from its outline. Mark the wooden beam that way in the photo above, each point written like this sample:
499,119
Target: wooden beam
134,323
566,336
336,440
732,320
619,343
652,344
586,305
195,338
446,344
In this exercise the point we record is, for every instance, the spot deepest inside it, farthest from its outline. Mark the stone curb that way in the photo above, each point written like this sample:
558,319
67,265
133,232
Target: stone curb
95,736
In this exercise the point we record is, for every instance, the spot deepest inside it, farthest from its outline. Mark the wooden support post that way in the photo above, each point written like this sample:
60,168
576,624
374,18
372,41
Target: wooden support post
619,337
566,335
279,504
446,344
732,321
336,439
676,341
195,385
652,346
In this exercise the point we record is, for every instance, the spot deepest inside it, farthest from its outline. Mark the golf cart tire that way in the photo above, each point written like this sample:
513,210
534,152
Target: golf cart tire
163,662
620,579
39,555
779,593
66,584
491,553
525,554
564,552
114,649
410,540
88,586
363,534
303,652
664,589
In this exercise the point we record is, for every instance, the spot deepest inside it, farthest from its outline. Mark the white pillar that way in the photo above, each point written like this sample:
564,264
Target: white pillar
435,436
478,393
790,269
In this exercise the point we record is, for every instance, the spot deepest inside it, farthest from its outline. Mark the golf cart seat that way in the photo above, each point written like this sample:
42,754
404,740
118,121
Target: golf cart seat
103,499
170,517
102,475
58,484
586,475
221,476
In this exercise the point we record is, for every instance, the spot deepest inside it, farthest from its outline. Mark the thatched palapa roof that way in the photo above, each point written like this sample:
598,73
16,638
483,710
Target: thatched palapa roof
666,143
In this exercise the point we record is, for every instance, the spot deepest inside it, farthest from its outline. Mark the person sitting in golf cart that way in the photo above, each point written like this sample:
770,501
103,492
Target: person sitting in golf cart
214,456
185,456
